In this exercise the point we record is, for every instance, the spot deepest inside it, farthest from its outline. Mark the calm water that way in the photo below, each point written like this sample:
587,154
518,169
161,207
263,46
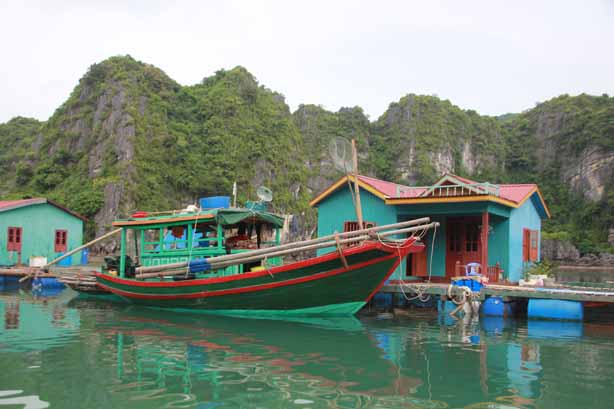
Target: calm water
66,352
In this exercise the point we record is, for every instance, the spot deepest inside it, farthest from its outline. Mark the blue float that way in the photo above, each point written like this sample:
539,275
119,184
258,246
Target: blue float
496,307
383,300
65,262
47,282
555,309
215,202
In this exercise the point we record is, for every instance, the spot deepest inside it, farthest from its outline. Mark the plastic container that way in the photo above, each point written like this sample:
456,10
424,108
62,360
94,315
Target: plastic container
215,202
496,307
38,261
474,285
556,309
47,282
383,300
65,262
85,254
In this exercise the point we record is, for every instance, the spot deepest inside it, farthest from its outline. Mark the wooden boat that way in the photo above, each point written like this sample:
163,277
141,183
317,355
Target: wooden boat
202,234
247,281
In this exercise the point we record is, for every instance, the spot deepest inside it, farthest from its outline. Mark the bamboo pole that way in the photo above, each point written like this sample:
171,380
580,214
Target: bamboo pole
249,257
70,253
290,245
356,187
86,245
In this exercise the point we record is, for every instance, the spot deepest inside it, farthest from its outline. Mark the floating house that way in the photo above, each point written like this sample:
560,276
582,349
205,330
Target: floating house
496,226
32,228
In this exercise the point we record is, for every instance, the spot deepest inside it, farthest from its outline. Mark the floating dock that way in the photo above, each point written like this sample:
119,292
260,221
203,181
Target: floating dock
559,292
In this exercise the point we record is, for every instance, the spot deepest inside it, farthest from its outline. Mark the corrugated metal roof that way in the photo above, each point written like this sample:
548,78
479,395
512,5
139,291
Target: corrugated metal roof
6,205
514,193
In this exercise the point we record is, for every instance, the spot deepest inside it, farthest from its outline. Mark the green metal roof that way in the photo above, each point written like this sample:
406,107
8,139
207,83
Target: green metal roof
218,216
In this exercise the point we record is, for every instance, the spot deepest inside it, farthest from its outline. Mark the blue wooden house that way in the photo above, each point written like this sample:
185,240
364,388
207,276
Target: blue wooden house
497,226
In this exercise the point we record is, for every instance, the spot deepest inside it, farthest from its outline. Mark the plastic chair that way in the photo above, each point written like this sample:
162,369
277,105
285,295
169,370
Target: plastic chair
473,269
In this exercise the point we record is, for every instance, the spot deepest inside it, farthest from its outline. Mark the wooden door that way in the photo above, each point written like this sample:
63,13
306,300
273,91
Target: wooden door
463,243
472,243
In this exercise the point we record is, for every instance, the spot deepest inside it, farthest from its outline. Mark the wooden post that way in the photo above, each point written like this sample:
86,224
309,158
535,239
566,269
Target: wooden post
356,187
123,254
484,240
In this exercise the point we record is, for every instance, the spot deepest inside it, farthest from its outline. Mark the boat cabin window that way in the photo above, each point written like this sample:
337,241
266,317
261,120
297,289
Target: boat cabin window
175,238
250,236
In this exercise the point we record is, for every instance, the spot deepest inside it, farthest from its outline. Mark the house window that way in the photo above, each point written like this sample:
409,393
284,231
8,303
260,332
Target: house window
60,240
353,226
13,242
530,242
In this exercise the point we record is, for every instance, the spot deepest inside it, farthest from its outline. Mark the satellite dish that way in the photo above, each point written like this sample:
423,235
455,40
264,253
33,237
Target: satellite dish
340,150
264,194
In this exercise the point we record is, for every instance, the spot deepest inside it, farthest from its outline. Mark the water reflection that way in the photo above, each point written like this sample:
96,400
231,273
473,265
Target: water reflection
85,353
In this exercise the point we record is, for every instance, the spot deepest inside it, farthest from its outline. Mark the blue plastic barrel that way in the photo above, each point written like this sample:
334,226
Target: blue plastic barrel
556,309
215,202
50,282
383,300
495,306
85,256
67,262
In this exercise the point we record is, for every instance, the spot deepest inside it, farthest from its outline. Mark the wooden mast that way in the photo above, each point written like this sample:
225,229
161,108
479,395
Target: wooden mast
356,187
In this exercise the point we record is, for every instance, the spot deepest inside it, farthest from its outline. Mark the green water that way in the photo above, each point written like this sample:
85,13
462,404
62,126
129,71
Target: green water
65,352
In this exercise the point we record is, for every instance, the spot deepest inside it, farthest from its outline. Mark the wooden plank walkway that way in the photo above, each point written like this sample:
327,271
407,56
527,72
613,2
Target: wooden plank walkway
558,292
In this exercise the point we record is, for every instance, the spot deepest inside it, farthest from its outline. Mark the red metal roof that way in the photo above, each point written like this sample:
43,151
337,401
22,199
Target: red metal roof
15,204
11,204
513,192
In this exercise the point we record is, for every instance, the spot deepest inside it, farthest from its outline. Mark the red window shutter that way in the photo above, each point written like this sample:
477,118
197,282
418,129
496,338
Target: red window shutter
60,240
13,242
534,238
526,238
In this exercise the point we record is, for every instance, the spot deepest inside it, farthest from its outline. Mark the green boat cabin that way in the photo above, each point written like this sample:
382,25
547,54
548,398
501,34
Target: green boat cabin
151,240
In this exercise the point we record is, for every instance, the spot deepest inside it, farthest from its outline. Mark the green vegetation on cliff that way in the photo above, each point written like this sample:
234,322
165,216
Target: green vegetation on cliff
129,137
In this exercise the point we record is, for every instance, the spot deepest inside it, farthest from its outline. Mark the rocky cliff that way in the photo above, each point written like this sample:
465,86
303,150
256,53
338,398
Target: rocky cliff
129,137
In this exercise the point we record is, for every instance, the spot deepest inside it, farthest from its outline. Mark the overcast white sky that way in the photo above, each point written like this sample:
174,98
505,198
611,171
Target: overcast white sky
491,56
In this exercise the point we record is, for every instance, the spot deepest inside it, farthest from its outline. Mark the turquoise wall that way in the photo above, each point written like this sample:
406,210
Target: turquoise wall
524,217
39,223
498,239
338,208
